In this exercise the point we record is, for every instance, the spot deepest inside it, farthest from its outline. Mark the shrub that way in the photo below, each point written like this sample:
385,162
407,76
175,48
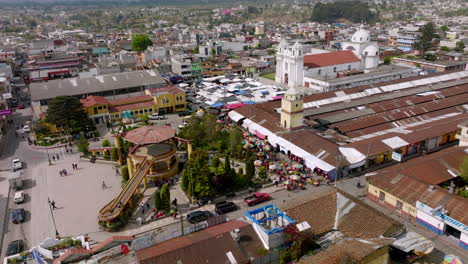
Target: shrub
105,143
262,172
113,154
124,173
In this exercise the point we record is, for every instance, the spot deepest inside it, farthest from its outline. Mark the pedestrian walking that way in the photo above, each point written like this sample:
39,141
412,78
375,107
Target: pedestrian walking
73,166
65,172
104,185
71,151
143,210
53,158
58,158
147,205
61,173
53,205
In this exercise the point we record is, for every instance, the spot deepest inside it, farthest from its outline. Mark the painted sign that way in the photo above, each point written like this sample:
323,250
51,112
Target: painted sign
438,213
5,112
396,156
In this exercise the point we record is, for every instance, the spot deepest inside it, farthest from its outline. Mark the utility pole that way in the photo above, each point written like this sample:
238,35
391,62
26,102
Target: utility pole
338,163
53,219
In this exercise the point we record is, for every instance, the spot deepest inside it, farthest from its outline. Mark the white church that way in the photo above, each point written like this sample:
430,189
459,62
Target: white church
294,68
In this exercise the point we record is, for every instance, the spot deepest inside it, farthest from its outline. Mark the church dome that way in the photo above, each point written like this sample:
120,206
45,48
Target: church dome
371,50
361,36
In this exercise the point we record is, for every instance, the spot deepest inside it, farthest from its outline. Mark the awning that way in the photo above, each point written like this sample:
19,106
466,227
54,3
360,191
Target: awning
234,106
248,102
260,135
235,116
277,97
413,241
218,104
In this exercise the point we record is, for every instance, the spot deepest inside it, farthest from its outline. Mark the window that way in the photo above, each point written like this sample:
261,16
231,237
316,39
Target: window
141,111
399,205
146,110
150,110
382,196
297,105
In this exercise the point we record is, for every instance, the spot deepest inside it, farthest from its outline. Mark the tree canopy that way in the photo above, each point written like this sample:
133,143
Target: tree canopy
141,42
427,37
67,112
354,11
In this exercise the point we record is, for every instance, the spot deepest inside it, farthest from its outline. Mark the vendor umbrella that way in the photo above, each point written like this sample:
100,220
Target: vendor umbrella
273,167
246,134
258,163
260,143
295,177
248,145
261,154
287,182
298,166
253,140
451,259
267,148
244,142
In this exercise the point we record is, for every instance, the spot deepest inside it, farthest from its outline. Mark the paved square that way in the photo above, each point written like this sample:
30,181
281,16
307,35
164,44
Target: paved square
78,196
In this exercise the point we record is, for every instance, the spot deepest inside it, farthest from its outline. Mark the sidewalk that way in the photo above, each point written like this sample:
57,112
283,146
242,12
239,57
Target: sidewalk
133,229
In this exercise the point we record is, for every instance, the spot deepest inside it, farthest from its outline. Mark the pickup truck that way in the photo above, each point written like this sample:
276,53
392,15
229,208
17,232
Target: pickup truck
256,198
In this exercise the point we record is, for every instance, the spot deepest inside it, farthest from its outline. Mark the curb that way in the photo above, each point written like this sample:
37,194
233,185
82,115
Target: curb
51,147
2,236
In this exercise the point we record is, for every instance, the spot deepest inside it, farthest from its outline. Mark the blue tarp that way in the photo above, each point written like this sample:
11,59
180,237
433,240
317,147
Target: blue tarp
248,102
218,104
264,92
240,92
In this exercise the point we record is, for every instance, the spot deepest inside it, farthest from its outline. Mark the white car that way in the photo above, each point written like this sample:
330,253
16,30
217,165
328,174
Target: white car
26,129
17,164
155,116
19,197
183,125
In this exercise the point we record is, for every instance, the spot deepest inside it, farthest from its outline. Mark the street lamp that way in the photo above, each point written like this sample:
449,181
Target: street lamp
47,150
53,219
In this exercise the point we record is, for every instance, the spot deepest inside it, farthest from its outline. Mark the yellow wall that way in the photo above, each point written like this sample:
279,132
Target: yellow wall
136,113
170,100
392,200
90,110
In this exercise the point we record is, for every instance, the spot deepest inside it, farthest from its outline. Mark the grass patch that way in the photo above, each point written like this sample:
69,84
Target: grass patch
270,76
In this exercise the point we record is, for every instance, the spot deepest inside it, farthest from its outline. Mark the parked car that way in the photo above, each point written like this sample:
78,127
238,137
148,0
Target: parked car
256,198
225,207
17,164
17,216
21,106
184,113
15,247
198,216
183,125
26,129
156,116
19,197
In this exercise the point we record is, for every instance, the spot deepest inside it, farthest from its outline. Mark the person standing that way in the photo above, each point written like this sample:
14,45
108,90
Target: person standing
53,158
58,158
104,185
53,205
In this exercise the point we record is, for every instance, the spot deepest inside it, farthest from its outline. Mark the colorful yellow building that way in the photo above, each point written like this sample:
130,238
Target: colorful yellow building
158,100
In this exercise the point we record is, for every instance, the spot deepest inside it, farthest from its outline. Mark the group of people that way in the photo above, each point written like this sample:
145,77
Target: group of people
64,172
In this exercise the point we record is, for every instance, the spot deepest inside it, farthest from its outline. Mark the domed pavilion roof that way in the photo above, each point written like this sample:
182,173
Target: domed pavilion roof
150,134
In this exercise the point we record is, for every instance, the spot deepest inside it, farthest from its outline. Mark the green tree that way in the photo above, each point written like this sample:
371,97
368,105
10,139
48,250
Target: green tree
460,46
145,119
105,143
165,198
444,28
464,169
67,112
215,162
235,140
157,200
227,165
250,169
241,172
124,173
426,39
444,48
41,128
196,50
262,173
114,154
140,42
387,60
83,145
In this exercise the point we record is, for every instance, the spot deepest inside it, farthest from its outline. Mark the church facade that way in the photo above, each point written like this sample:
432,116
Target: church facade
295,69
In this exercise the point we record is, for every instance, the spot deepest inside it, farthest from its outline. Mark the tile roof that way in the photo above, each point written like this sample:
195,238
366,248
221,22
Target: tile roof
410,190
150,134
321,211
432,168
330,58
167,89
130,100
93,100
207,246
347,251
131,106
